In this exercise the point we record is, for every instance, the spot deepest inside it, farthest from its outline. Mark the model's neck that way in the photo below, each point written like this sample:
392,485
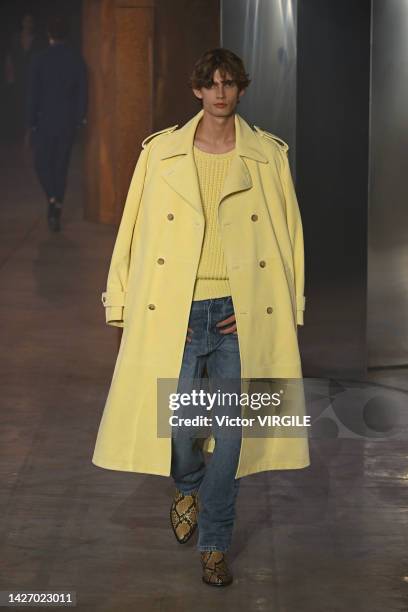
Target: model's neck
216,132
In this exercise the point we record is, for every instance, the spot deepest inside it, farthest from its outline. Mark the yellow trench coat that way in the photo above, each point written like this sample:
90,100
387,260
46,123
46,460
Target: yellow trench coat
151,281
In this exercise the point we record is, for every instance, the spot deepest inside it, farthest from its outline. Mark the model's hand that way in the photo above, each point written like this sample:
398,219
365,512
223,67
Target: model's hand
188,337
227,330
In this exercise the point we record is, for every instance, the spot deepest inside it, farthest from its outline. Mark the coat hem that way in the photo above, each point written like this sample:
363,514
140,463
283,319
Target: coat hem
156,472
119,467
268,468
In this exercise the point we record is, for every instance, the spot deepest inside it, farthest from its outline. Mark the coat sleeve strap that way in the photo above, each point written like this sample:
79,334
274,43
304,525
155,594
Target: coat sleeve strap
113,302
113,298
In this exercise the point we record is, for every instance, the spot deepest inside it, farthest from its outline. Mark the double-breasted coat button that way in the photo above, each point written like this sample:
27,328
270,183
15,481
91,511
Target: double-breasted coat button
160,260
254,217
269,309
152,306
170,217
262,263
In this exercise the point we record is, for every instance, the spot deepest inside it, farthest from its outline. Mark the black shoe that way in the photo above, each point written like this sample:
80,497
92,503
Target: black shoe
215,568
57,219
54,215
51,214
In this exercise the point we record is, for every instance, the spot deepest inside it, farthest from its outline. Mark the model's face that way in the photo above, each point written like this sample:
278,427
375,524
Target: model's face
222,97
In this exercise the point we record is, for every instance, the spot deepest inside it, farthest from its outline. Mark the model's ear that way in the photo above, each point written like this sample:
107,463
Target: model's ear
198,94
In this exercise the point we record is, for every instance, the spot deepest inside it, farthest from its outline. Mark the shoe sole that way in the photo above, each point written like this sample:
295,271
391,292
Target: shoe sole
217,584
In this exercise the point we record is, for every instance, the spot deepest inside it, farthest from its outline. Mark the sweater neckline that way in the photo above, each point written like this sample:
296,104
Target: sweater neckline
214,155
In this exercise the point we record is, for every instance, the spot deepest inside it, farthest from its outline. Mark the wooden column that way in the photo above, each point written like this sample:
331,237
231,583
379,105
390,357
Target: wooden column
140,54
117,46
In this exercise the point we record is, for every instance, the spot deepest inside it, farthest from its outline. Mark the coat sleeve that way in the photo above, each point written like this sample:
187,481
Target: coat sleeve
295,229
113,298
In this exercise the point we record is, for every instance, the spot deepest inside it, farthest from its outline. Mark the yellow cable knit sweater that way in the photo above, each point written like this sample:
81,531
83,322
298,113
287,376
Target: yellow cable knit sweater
212,274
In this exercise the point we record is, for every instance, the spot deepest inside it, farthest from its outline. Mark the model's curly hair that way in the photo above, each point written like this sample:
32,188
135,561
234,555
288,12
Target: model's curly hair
226,61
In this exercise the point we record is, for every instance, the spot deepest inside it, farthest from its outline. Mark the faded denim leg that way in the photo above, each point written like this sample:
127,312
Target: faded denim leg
188,463
215,482
219,488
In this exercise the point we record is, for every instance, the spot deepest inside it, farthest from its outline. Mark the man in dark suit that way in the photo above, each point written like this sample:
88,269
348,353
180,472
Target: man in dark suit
57,104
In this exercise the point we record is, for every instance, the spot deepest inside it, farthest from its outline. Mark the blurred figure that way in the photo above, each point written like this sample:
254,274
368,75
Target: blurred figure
24,45
57,105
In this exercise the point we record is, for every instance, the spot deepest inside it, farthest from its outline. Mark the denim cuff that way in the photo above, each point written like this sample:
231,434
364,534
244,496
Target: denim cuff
188,492
220,548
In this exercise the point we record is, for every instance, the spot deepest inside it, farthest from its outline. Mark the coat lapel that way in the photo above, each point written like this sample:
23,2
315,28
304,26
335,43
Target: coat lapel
182,174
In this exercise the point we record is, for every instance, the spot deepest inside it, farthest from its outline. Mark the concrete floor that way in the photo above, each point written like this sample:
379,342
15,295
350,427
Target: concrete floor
329,538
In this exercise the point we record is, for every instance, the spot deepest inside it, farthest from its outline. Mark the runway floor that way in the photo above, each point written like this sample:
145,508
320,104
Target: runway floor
328,538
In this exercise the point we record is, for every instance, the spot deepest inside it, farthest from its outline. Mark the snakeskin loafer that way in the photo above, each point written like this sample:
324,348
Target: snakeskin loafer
215,568
183,515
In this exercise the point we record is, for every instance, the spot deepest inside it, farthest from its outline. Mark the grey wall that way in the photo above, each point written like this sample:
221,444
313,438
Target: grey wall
387,325
263,33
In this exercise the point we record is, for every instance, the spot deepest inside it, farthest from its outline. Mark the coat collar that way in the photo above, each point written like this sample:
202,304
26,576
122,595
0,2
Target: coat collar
247,142
182,174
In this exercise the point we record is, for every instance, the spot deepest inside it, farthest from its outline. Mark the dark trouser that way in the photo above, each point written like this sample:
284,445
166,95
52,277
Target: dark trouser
52,151
215,482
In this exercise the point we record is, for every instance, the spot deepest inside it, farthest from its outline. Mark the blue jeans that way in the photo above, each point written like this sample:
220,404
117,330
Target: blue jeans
215,482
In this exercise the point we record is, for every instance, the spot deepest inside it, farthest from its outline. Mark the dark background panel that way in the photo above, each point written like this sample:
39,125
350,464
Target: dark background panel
333,80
